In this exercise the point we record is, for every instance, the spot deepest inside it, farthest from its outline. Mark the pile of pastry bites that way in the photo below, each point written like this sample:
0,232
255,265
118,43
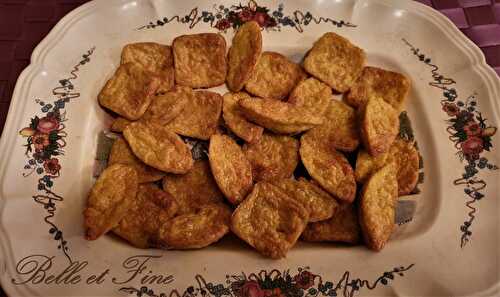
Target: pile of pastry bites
278,118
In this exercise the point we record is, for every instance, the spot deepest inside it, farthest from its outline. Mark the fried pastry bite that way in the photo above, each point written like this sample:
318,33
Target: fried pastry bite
234,119
279,117
377,207
343,226
130,91
119,124
195,188
149,211
404,155
366,165
274,77
269,220
391,86
243,55
273,157
158,147
320,205
312,95
335,61
200,60
200,116
122,154
379,126
339,128
329,168
197,229
154,57
168,106
231,169
109,200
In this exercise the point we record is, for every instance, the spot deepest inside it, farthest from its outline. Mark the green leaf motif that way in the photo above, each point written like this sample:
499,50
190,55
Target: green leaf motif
462,136
262,9
51,147
53,136
34,122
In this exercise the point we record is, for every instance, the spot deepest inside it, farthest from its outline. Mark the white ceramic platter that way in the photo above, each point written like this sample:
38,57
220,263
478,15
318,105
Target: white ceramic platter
451,246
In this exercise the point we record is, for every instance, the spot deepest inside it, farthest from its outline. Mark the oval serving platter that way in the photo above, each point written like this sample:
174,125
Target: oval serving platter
447,246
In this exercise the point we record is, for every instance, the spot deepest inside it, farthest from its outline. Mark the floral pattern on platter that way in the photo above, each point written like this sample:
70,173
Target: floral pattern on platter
274,283
222,18
471,136
45,141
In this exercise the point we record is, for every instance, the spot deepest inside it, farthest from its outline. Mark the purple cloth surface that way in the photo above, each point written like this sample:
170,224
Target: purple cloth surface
479,20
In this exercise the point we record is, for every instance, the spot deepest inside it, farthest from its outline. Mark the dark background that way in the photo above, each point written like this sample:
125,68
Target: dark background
24,23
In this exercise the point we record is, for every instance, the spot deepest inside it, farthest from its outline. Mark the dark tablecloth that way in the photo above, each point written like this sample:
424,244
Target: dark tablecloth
24,23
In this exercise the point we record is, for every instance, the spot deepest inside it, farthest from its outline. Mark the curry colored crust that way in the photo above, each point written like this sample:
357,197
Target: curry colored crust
193,189
197,229
335,61
122,154
130,91
274,156
312,95
339,129
269,220
378,207
343,226
169,105
320,205
154,57
200,60
234,119
406,158
379,126
119,124
230,167
366,165
274,76
391,86
243,55
279,117
109,200
159,147
329,168
149,211
200,116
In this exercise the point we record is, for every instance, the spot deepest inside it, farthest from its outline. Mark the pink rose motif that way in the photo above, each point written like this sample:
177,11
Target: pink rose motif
245,15
270,22
276,292
472,146
451,109
304,280
251,289
47,125
260,18
40,141
52,166
472,128
223,24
